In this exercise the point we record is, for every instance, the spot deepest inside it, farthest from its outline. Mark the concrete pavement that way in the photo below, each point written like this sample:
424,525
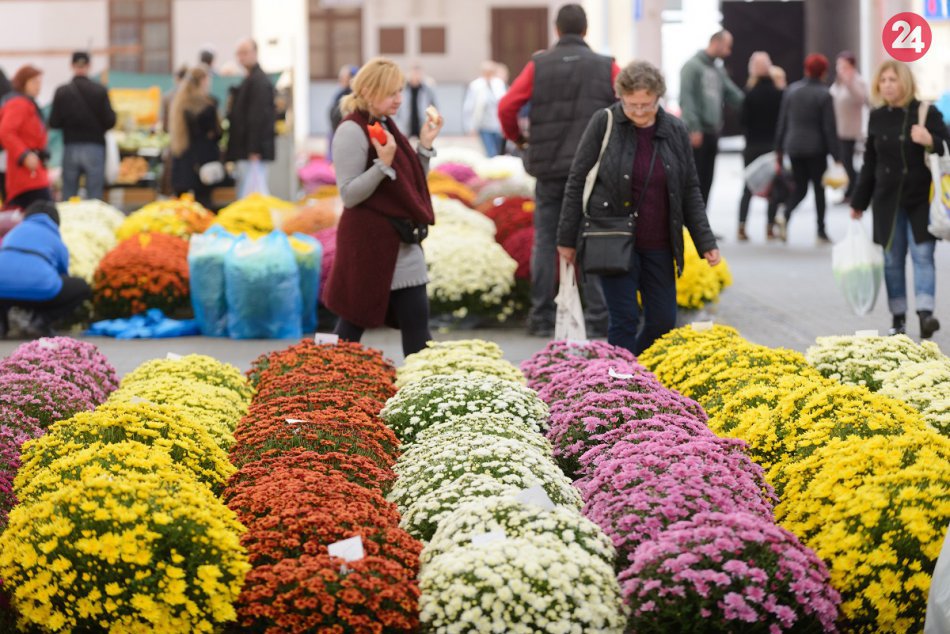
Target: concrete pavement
783,294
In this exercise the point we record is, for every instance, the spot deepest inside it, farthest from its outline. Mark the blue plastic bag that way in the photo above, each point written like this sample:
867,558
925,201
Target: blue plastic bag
206,253
152,324
309,254
262,286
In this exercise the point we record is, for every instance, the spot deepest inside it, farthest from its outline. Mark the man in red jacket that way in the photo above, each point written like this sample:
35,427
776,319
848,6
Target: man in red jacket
23,136
565,86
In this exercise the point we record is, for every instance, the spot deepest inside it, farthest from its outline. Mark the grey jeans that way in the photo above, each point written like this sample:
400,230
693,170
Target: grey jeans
88,159
549,194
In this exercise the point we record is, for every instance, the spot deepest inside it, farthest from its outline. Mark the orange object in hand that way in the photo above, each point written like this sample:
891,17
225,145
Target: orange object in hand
376,132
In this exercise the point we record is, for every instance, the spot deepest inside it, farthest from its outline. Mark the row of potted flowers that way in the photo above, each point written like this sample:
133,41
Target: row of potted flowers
118,525
688,512
314,464
860,476
506,548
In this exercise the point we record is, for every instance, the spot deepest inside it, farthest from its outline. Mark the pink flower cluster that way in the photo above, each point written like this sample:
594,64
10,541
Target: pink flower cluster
689,512
735,567
10,442
78,362
459,172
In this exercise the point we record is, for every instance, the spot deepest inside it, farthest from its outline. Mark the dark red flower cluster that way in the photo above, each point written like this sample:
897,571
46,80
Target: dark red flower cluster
509,215
315,461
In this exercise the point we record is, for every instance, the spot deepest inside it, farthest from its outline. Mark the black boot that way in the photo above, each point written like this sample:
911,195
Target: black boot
928,324
898,325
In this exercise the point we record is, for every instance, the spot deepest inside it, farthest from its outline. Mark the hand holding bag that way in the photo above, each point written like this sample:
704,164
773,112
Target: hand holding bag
607,241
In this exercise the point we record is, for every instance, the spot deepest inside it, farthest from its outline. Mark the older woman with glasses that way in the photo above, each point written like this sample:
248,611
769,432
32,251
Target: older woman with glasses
647,175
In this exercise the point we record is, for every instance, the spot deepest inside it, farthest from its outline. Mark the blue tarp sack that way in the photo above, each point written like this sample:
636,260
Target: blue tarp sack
206,254
309,254
152,324
263,289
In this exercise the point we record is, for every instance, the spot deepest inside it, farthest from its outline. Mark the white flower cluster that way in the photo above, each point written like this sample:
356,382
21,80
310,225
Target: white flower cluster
508,548
440,398
918,374
521,585
470,357
88,229
469,272
457,154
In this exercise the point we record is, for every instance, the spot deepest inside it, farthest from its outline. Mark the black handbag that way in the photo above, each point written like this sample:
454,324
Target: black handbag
409,232
607,242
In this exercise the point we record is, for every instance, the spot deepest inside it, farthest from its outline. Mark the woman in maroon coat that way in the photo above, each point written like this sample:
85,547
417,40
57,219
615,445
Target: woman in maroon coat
379,276
23,136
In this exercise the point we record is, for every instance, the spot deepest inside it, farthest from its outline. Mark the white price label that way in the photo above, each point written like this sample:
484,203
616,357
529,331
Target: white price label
326,339
867,333
536,496
488,538
348,550
702,326
138,400
619,375
47,344
294,421
171,356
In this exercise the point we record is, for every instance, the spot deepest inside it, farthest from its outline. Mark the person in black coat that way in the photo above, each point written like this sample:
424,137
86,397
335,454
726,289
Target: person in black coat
808,134
759,119
82,110
252,116
195,132
895,181
5,88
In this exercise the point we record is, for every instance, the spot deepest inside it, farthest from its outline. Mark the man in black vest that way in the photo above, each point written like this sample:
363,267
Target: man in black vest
82,110
252,116
565,86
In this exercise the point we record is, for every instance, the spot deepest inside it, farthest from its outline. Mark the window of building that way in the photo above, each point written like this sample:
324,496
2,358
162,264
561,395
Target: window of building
392,41
336,39
432,40
141,33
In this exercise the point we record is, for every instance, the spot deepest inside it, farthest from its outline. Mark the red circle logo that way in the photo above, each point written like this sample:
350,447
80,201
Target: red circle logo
907,37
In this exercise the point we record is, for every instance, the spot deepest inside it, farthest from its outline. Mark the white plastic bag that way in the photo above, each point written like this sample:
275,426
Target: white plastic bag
858,266
113,160
835,177
940,205
938,605
570,313
760,173
254,179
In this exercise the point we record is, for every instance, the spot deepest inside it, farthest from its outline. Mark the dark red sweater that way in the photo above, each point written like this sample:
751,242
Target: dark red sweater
653,219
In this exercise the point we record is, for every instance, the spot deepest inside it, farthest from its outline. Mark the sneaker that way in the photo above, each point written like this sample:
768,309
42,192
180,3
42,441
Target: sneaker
928,326
782,225
898,326
742,236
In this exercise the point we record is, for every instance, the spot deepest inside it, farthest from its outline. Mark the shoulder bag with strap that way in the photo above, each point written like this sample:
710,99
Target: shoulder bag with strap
607,242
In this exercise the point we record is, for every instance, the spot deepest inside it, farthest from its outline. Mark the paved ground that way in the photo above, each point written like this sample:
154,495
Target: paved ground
784,295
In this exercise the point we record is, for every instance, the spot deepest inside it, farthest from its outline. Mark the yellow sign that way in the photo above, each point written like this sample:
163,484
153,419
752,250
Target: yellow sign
136,107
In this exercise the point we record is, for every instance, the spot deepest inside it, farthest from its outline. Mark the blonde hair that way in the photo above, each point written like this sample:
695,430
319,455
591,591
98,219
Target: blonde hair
758,58
188,98
777,73
377,78
904,77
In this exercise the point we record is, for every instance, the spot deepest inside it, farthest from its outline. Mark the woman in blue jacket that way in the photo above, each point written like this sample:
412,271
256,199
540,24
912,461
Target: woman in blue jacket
34,271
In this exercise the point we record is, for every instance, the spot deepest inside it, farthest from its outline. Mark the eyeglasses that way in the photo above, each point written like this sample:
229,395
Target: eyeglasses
640,107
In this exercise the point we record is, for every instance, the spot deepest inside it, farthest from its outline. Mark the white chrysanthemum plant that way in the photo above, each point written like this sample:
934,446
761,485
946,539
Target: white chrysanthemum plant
469,357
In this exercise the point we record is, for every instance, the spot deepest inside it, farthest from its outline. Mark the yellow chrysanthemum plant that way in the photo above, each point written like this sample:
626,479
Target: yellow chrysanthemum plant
198,367
130,551
899,367
861,477
700,283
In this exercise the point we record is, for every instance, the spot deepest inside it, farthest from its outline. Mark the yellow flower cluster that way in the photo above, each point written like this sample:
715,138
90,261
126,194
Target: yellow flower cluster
182,218
918,374
118,528
256,215
444,185
861,477
700,283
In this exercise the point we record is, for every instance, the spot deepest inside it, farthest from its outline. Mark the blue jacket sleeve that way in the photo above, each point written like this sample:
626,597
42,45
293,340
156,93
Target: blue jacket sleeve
62,257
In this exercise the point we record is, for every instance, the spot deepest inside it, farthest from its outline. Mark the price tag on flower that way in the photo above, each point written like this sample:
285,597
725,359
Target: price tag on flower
348,550
489,538
702,326
326,339
619,375
295,421
171,356
47,344
867,333
535,496
138,400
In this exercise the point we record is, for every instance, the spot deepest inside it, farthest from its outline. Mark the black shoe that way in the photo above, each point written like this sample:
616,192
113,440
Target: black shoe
541,330
823,237
898,325
928,324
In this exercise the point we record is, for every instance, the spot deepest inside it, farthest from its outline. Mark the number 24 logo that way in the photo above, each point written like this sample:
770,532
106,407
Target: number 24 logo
909,37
